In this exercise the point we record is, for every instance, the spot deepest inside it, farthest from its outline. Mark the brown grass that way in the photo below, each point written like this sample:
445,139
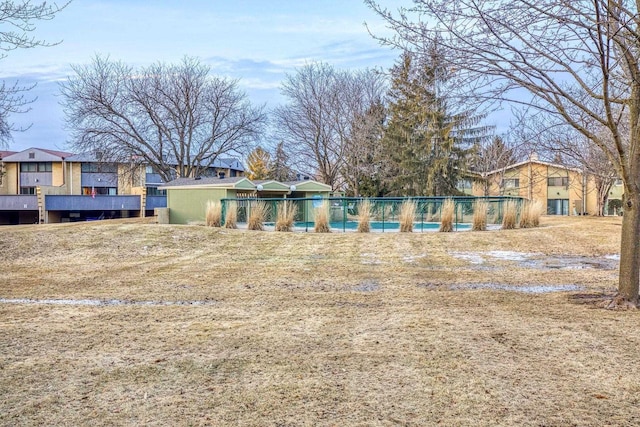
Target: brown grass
286,217
309,329
479,222
407,216
321,218
509,215
213,216
259,211
364,216
447,216
231,215
531,212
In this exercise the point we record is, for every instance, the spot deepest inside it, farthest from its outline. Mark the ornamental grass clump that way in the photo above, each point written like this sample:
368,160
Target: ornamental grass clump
286,216
407,216
257,216
479,222
321,218
364,216
510,215
231,215
446,217
536,212
213,217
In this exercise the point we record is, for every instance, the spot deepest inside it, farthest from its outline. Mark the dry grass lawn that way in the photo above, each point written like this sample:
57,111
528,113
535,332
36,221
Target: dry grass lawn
298,329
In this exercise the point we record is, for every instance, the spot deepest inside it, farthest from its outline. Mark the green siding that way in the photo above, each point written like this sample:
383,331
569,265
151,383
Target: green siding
189,205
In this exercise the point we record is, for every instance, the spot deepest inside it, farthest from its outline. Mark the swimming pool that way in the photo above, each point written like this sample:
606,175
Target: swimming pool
380,226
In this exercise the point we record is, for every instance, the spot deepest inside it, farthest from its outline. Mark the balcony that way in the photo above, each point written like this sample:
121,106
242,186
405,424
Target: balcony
153,178
156,202
99,179
89,203
18,203
34,179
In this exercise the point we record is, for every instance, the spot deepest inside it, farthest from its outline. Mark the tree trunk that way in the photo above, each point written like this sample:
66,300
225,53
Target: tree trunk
629,278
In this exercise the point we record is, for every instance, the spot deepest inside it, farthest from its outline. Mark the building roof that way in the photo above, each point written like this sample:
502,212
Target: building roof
208,182
308,184
37,155
88,157
534,161
4,154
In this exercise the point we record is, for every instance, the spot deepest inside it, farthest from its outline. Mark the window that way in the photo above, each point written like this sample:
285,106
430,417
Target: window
99,168
464,184
28,190
558,207
100,191
32,155
511,183
153,191
35,167
558,181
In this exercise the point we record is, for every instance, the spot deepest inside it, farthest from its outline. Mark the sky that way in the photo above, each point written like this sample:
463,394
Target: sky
258,42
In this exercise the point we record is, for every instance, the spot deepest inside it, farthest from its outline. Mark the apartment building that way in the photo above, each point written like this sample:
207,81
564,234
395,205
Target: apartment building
41,186
563,190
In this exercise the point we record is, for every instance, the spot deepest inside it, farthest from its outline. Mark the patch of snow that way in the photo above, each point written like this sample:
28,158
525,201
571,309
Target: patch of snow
511,255
527,289
412,258
472,257
99,302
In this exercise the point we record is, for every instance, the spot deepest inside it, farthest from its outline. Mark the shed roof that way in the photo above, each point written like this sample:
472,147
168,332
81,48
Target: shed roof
309,185
238,183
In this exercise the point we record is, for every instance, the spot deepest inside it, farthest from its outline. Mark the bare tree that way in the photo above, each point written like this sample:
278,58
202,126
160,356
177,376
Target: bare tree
322,123
577,61
177,118
494,155
362,127
307,124
18,22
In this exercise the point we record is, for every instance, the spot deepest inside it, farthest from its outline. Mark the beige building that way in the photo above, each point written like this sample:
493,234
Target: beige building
562,190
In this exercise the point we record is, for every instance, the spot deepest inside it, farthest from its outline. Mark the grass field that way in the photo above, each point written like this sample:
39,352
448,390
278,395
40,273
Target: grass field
134,323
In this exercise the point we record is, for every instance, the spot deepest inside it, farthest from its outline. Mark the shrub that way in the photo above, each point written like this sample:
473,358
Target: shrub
364,216
407,216
446,217
479,222
531,212
321,218
286,216
231,215
509,215
213,217
257,216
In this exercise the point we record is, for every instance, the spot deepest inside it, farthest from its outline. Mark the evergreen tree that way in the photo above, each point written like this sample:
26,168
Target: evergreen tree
280,169
426,146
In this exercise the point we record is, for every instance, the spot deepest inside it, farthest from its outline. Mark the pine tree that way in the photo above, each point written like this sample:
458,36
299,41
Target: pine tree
426,146
280,170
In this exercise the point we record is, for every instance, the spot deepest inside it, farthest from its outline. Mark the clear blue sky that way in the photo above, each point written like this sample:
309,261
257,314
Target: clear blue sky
256,41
